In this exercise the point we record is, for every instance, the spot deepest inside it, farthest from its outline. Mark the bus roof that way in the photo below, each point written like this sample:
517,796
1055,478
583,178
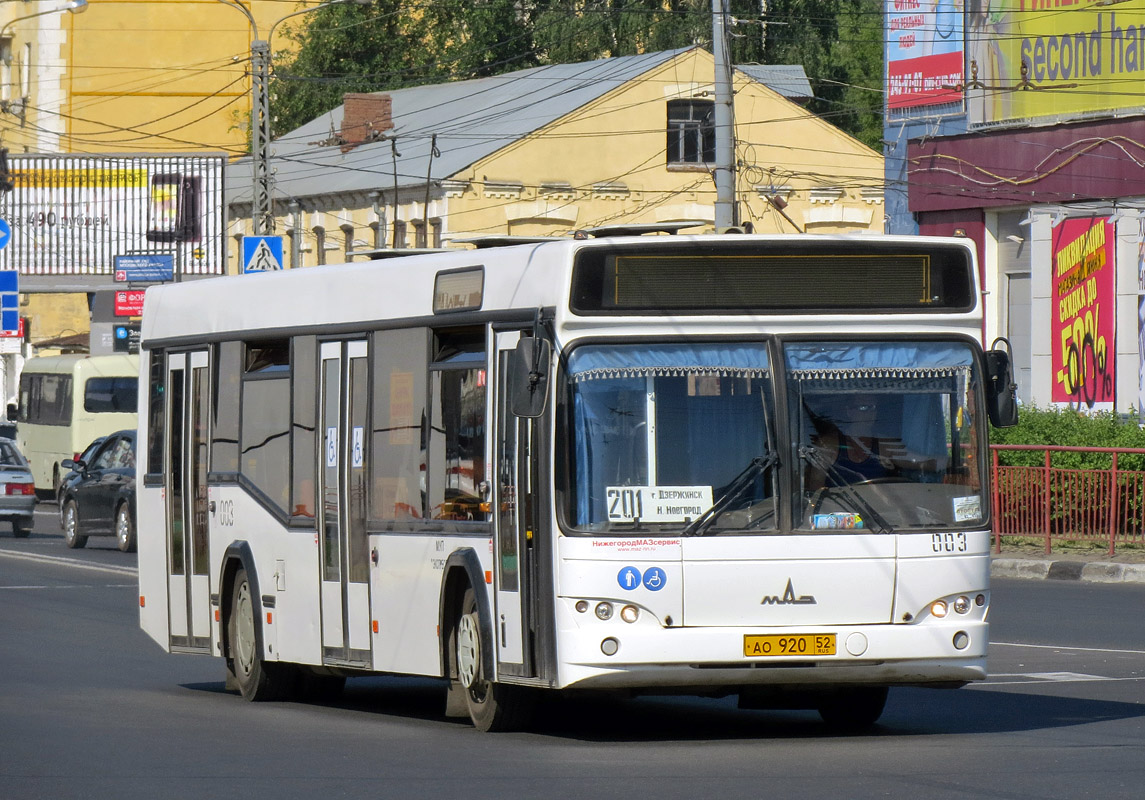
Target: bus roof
518,278
116,364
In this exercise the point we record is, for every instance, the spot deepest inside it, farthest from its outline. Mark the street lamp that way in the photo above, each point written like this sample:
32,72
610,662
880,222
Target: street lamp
72,7
262,203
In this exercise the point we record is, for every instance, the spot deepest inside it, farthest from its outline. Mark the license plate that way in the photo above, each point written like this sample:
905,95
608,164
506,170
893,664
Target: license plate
789,644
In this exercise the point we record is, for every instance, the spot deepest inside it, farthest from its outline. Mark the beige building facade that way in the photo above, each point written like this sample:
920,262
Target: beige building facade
615,142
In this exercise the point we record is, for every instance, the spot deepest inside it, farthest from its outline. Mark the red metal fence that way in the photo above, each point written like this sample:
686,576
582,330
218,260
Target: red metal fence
1054,503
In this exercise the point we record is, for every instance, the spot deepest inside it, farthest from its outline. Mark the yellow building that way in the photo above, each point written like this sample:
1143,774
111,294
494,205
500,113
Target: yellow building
551,150
144,76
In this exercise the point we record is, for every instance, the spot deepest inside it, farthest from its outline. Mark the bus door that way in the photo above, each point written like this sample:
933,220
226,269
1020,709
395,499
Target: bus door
185,485
345,557
513,494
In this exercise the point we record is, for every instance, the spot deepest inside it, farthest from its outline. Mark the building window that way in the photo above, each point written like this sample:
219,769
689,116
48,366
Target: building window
418,233
691,132
399,234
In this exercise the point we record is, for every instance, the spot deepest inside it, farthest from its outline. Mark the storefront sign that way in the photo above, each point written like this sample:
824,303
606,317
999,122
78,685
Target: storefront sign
1083,313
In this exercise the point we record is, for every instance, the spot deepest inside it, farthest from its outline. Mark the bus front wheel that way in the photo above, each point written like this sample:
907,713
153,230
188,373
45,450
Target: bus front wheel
492,706
850,710
256,679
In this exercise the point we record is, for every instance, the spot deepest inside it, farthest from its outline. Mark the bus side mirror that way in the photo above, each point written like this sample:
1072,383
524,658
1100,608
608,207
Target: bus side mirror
1001,391
13,412
529,377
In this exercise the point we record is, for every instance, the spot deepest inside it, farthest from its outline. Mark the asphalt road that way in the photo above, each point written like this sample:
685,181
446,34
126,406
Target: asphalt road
91,708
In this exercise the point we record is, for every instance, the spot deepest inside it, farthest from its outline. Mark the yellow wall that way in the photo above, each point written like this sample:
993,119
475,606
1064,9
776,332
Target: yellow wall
54,315
618,143
606,164
142,75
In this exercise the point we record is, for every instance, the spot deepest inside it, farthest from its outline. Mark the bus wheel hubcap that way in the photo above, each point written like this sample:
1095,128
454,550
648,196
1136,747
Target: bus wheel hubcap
468,650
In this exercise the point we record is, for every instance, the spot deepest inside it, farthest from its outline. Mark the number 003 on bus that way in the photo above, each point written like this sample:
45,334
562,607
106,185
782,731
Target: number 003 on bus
789,644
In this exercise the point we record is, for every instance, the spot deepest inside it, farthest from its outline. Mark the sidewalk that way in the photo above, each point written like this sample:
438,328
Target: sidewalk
1127,568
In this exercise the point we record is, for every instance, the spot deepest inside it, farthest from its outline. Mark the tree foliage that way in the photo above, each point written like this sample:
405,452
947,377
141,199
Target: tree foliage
389,44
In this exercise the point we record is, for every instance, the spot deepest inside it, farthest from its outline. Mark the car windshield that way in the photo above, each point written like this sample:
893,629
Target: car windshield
887,435
664,432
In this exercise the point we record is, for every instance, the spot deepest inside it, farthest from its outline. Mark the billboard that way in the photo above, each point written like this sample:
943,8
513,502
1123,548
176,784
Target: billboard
924,52
74,215
1083,313
1053,60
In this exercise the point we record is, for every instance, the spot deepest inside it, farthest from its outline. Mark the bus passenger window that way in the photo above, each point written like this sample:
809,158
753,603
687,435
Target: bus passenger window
397,438
456,454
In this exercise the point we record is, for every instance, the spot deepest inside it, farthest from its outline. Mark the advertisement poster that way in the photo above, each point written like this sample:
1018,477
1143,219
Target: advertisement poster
924,52
1083,317
1081,58
1141,322
78,214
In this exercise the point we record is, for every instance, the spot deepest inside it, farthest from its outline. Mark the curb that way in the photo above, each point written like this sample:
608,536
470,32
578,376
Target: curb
1093,571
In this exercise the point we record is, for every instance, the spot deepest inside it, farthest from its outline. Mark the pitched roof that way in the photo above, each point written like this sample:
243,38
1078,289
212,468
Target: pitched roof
790,80
472,120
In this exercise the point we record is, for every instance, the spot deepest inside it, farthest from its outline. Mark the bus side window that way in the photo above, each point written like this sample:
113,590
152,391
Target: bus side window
397,438
156,411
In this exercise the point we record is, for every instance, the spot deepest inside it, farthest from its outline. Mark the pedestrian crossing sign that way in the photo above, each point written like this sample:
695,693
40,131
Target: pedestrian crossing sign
262,254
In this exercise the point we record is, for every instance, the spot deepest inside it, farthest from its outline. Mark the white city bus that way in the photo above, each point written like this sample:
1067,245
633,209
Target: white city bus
662,464
68,401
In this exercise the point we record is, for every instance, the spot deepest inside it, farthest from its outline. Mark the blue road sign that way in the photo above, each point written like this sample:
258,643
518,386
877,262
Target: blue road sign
9,300
5,233
145,267
262,253
628,578
654,579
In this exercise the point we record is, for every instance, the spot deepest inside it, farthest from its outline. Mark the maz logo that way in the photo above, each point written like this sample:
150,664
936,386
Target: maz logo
789,598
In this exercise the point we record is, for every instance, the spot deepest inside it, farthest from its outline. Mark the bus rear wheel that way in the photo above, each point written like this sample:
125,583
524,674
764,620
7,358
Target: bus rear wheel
256,679
851,710
492,706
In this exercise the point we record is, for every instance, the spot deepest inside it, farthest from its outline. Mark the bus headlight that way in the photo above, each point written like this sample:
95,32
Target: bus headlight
582,606
962,604
630,613
938,608
604,610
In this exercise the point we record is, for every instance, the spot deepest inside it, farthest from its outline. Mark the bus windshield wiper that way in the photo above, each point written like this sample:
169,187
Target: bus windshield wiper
812,456
756,467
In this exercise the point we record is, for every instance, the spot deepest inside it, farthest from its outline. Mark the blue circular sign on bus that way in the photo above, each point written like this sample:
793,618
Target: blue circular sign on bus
628,578
654,579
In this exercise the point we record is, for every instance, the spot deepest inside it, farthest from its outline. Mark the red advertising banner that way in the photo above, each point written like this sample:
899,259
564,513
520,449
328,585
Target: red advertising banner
129,303
1083,312
924,81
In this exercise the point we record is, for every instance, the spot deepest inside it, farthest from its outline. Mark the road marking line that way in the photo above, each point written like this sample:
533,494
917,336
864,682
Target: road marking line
1063,677
1066,647
990,683
70,562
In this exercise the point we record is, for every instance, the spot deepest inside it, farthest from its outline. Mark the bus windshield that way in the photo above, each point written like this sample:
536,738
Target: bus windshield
683,438
886,435
664,432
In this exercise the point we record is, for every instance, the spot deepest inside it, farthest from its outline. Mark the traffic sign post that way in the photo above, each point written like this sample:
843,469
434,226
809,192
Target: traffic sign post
262,254
9,300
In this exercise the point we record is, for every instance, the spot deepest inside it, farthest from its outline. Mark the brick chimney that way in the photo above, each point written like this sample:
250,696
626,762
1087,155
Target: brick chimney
364,118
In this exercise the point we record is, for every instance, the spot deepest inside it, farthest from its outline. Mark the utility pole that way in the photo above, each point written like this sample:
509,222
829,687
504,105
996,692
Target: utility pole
725,215
262,208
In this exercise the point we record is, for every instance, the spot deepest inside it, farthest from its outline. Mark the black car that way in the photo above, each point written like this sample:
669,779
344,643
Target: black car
98,497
